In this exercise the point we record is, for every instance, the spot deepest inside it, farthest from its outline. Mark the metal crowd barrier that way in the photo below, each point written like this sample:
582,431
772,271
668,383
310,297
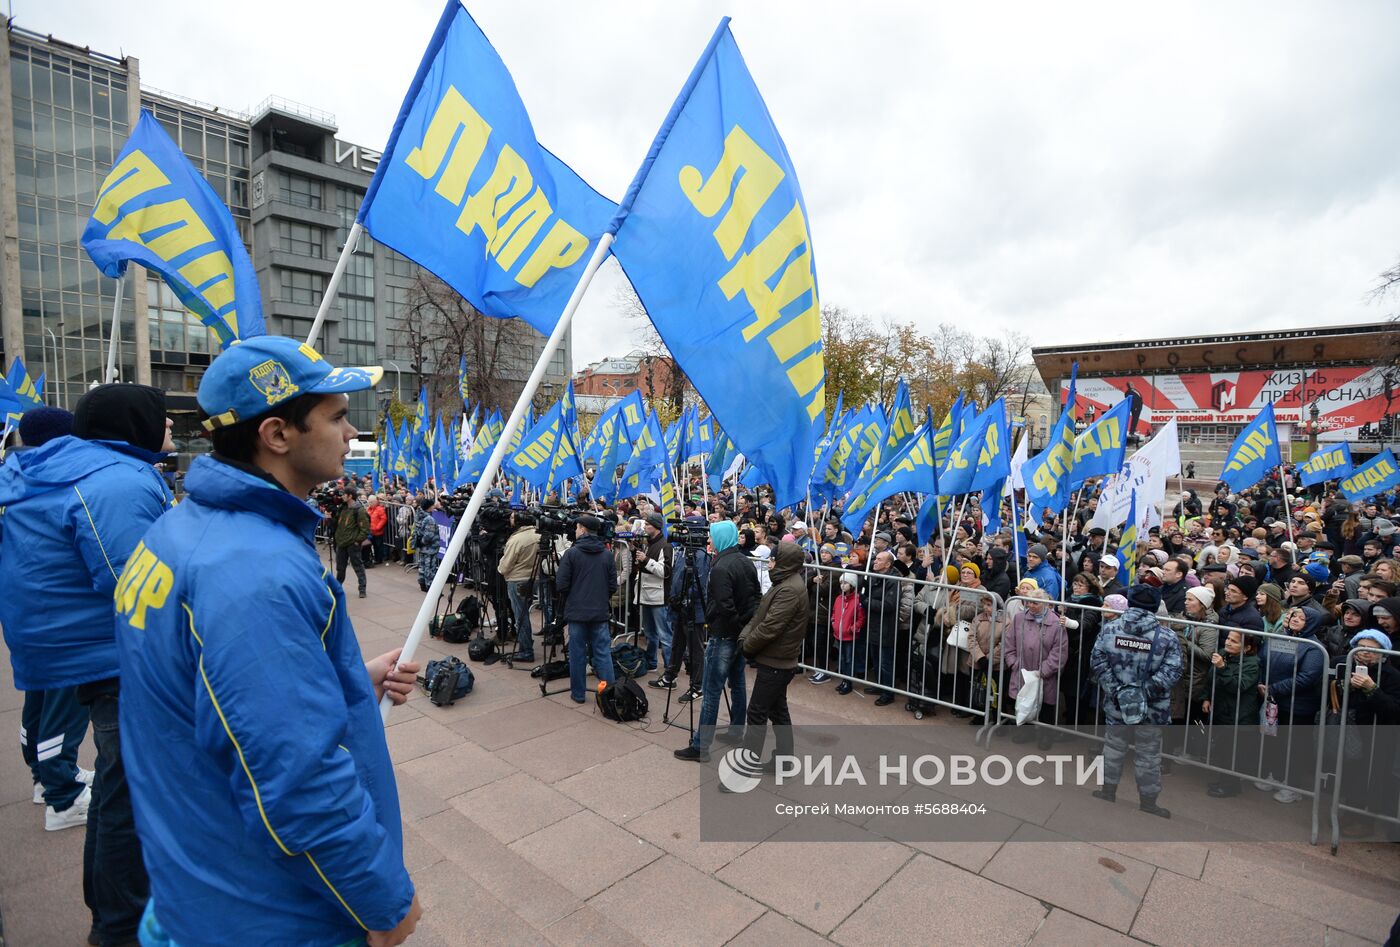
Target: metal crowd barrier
1236,737
900,654
1363,749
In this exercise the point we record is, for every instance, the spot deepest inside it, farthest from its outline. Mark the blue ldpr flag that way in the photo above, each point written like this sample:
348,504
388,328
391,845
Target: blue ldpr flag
1326,463
1048,474
1254,453
647,467
910,469
713,236
465,190
1100,450
1377,475
155,209
981,456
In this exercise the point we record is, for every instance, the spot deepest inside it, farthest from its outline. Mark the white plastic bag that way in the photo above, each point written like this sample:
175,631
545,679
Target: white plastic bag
960,637
1028,697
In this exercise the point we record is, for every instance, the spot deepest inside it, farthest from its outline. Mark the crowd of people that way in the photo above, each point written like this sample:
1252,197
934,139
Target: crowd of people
186,634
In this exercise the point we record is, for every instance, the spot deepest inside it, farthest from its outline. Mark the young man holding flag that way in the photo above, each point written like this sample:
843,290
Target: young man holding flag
254,747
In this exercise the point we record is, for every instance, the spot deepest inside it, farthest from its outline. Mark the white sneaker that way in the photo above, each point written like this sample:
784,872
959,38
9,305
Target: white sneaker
1263,787
86,776
1287,795
820,677
76,814
38,794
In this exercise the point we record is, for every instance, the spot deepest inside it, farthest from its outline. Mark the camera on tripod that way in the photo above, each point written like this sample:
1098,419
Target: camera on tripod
688,535
555,521
455,504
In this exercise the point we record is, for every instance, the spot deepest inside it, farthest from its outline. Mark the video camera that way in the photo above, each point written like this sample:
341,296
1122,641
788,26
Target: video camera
563,521
329,498
688,535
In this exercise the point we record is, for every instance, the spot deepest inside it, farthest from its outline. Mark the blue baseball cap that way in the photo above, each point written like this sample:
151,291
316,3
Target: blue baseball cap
253,376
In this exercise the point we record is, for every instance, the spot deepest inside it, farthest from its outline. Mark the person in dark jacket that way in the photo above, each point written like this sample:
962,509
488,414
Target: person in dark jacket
772,641
1294,674
351,532
1239,610
884,595
731,600
1373,700
1232,702
997,579
75,510
586,581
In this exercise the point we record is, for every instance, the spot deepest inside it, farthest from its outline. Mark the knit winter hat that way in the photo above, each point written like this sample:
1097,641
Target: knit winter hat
849,578
1203,594
1116,602
1249,585
1038,550
1272,591
42,424
1145,597
723,535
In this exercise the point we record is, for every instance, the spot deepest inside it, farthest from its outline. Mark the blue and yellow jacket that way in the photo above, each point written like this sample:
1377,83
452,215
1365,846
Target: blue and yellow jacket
263,790
73,512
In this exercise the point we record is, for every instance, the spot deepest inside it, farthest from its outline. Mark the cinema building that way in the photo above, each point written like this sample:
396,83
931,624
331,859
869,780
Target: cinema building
1338,383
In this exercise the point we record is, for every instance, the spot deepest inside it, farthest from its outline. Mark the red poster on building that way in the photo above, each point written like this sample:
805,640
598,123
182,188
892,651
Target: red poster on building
1346,398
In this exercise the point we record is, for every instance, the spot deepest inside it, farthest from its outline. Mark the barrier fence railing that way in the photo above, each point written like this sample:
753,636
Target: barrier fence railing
1367,781
901,646
1235,749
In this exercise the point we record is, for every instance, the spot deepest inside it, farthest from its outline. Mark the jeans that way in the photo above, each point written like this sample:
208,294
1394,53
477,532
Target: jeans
52,727
656,625
544,594
520,605
582,636
352,554
724,664
115,887
851,659
769,705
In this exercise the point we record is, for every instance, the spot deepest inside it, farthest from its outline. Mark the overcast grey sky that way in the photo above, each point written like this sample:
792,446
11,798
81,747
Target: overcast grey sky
1080,172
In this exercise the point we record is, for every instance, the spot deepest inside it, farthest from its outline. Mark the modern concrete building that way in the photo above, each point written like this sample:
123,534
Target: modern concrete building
292,186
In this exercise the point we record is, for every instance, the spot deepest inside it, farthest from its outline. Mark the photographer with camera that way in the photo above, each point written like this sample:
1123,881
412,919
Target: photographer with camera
653,574
351,533
586,581
517,569
731,600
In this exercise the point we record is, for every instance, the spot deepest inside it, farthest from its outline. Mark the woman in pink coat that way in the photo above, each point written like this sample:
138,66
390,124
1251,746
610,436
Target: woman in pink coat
1036,641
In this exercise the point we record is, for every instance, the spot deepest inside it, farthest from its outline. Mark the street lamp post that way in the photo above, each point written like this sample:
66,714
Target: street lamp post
1312,429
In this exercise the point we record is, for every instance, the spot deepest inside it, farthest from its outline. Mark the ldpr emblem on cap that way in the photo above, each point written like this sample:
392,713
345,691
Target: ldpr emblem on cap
273,381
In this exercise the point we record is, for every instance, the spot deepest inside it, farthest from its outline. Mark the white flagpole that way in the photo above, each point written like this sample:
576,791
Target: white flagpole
111,375
333,285
1287,511
493,463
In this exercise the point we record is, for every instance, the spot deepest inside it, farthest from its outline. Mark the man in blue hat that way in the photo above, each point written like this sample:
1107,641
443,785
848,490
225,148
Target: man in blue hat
254,746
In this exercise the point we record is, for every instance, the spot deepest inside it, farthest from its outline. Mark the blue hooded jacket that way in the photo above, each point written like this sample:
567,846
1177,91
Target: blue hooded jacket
252,739
73,510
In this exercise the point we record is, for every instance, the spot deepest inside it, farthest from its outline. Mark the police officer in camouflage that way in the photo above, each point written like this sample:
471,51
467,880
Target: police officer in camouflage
1136,661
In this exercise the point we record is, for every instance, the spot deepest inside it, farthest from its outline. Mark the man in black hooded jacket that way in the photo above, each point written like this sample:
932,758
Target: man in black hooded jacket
586,580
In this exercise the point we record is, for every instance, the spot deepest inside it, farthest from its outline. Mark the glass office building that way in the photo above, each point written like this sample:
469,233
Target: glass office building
292,187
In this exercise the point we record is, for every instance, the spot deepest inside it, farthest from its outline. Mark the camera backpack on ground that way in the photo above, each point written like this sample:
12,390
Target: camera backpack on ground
550,670
481,647
623,701
629,659
446,681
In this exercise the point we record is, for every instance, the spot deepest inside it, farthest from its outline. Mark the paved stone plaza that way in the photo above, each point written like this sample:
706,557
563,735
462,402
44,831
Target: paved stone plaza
533,820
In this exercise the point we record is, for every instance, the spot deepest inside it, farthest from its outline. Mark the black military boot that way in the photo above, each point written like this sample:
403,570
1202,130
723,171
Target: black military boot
1149,805
1108,792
